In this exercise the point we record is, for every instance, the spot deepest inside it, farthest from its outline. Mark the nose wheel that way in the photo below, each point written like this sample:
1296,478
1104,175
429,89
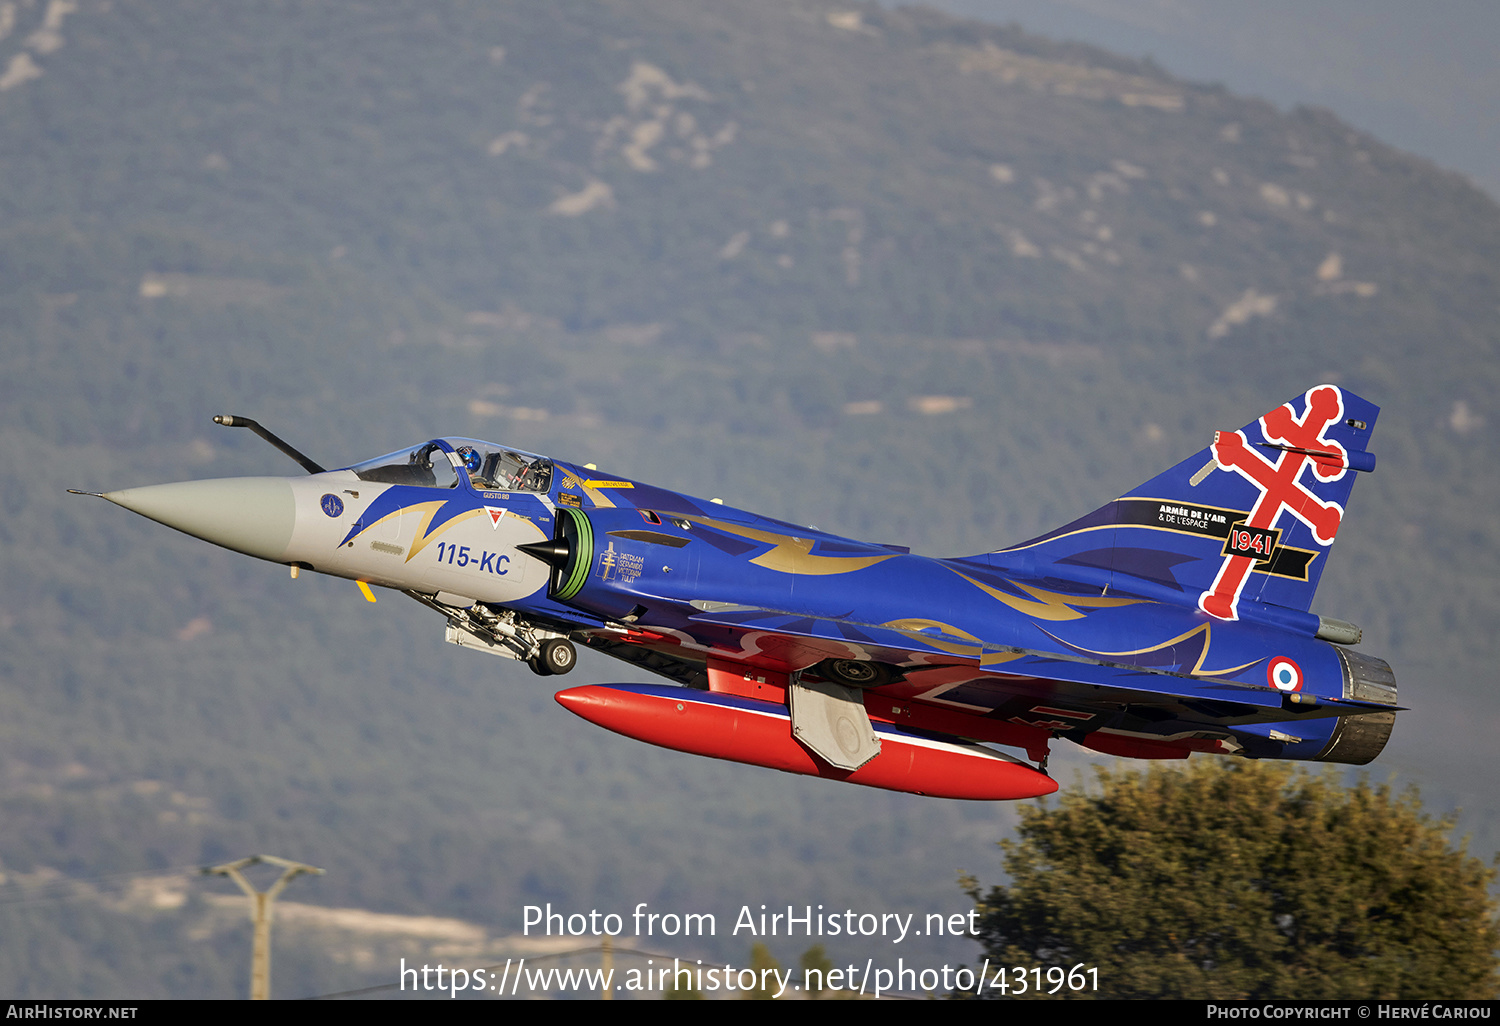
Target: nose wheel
554,657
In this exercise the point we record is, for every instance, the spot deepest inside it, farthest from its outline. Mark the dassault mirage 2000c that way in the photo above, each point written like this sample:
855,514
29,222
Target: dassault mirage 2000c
1172,620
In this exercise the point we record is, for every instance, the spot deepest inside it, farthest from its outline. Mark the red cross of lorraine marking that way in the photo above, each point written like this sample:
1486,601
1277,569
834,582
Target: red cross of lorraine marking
1279,485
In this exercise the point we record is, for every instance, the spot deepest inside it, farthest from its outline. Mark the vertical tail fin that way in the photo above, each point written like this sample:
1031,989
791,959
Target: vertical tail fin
1250,518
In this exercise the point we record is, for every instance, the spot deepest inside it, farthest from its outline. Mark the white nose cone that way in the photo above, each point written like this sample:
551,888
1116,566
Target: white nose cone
253,515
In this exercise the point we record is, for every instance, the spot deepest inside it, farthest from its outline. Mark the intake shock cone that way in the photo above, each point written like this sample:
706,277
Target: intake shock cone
569,553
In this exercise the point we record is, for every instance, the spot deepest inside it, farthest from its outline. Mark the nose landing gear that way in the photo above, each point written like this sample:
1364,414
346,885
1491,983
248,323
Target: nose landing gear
553,657
474,625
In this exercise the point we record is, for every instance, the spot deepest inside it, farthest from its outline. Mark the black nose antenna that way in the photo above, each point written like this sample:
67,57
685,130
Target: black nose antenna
230,420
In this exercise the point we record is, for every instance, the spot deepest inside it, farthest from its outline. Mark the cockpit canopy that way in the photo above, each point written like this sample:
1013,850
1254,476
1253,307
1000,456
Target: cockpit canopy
444,462
501,469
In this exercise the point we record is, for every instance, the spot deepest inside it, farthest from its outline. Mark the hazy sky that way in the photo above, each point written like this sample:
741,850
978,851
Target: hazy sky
1424,77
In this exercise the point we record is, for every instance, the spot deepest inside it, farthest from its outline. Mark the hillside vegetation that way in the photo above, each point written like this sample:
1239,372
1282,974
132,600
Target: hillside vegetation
907,278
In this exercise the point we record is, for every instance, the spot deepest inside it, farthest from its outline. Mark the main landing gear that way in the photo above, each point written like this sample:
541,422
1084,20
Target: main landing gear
855,673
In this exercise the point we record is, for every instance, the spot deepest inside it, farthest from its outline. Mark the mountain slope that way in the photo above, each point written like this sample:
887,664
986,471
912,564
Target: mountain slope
908,278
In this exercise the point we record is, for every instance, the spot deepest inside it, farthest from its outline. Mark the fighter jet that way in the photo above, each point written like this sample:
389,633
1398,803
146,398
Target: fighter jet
1173,620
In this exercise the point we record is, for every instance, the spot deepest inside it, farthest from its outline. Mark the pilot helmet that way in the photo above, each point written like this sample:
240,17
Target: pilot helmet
471,459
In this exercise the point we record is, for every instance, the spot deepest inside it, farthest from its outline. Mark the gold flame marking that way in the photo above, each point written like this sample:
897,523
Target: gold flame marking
920,627
428,511
791,555
1048,605
1205,629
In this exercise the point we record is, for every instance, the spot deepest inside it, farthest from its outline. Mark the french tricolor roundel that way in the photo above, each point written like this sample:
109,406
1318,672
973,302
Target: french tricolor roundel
1284,675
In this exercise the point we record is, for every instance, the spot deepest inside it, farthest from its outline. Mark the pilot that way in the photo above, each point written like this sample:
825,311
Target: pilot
471,459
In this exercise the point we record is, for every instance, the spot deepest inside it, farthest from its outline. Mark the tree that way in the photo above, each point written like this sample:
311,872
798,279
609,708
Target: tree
761,959
816,965
1241,879
675,993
